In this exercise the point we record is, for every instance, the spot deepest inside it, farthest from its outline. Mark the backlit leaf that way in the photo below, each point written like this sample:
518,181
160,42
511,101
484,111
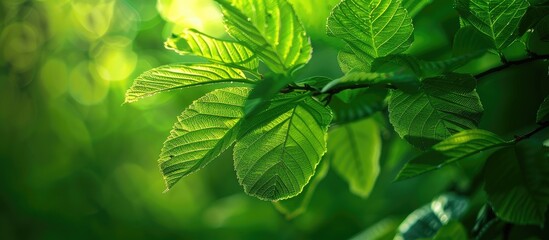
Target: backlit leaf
441,107
203,131
457,147
191,41
354,150
497,19
372,29
279,149
177,76
271,29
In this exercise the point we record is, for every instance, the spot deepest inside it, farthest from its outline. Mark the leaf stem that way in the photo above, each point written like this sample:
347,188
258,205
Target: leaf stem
541,126
508,64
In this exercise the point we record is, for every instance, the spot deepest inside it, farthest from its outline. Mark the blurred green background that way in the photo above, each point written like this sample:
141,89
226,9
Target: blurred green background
76,164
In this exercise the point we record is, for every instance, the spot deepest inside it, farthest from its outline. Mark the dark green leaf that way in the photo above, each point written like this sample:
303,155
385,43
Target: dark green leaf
469,40
354,150
270,29
543,111
427,220
517,183
457,147
383,230
356,79
207,128
229,53
352,105
278,150
533,15
497,19
385,27
176,76
443,106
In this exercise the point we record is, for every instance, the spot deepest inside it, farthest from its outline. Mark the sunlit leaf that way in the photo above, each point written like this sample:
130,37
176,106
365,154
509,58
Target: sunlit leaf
349,61
426,221
543,111
457,147
517,183
203,131
177,76
191,41
271,29
441,107
354,150
279,149
497,19
385,28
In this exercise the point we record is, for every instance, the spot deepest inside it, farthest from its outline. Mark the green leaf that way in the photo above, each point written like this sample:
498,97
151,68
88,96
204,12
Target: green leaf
533,15
543,111
176,76
407,64
228,53
538,41
278,150
353,105
469,40
203,131
354,150
263,92
441,107
349,61
415,6
359,79
457,147
517,183
427,220
385,27
271,29
451,231
497,19
292,208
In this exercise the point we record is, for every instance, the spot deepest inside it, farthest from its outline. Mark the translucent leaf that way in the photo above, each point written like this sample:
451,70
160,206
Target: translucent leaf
191,41
271,29
457,147
451,231
415,6
349,61
263,92
543,111
517,183
354,150
279,149
385,28
427,220
497,19
441,107
176,76
203,131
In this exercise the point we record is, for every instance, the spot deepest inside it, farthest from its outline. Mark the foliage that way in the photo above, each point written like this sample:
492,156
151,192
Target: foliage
402,104
281,129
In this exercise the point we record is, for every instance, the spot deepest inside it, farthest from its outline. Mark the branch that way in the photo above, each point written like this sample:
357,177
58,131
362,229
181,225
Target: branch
510,64
542,126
